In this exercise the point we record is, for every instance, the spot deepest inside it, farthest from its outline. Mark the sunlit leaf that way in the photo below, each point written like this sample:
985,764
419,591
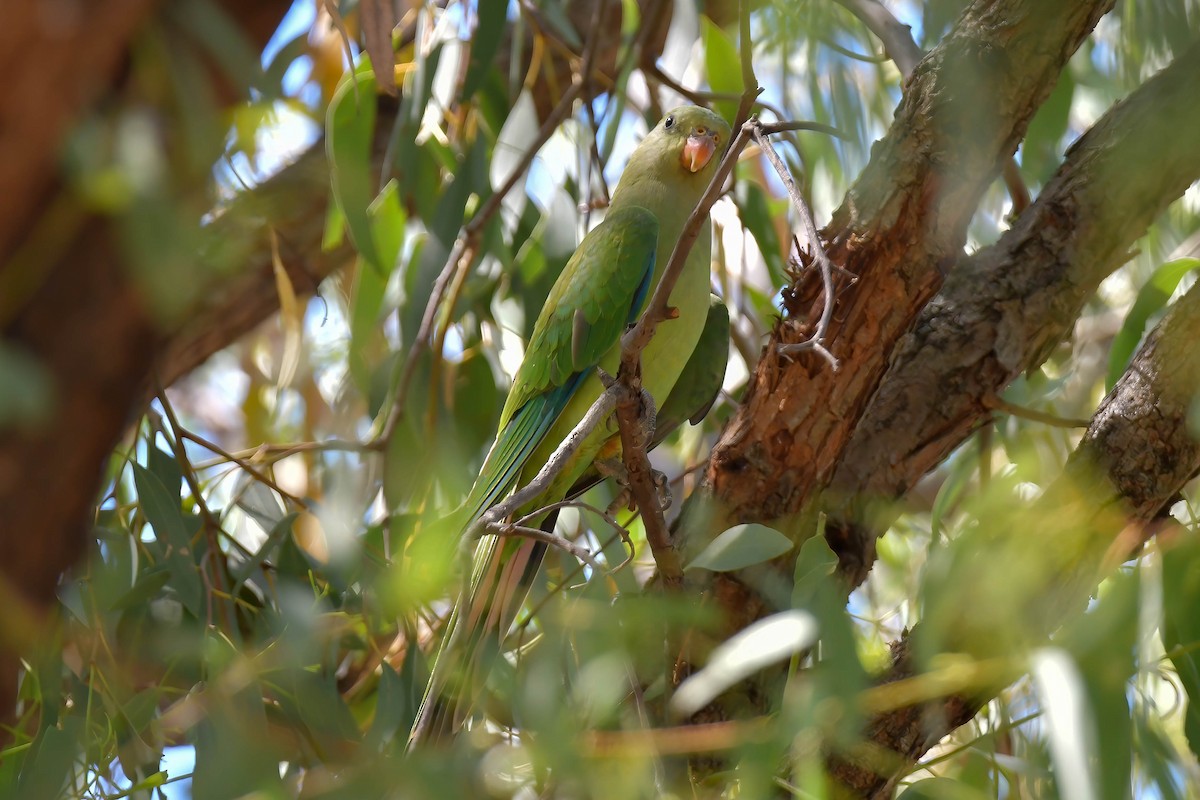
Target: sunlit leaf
349,133
489,31
941,789
1071,729
724,67
741,546
1152,298
759,645
175,531
1181,626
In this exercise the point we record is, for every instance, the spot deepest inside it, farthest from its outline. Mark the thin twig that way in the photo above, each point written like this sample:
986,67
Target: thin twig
278,452
818,127
210,524
871,58
548,537
254,473
996,403
604,515
816,342
491,519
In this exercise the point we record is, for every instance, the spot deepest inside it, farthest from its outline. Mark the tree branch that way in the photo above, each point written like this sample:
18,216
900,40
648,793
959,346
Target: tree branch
1003,310
1140,442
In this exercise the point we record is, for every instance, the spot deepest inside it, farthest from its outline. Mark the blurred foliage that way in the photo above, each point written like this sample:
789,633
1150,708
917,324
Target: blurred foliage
255,618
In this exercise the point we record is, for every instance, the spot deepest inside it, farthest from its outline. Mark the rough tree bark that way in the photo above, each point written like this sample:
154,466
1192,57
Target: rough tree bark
803,429
69,298
909,391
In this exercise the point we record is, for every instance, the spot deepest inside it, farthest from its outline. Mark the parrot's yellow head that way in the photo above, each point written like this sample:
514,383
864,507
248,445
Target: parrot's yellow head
674,164
688,137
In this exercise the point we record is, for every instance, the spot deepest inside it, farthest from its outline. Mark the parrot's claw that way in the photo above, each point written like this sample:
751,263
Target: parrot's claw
615,468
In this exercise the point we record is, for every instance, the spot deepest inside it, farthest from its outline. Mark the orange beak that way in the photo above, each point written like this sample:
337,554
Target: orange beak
699,149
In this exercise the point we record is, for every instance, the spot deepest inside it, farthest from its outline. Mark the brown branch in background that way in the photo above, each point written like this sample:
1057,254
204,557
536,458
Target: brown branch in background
895,35
997,403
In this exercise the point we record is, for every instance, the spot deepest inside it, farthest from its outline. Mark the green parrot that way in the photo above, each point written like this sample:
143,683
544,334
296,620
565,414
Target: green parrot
603,288
695,390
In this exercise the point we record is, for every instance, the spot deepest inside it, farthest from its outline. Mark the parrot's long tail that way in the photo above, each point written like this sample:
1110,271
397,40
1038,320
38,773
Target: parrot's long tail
474,639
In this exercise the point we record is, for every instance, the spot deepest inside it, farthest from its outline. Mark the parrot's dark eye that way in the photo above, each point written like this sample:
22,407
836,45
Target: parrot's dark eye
669,123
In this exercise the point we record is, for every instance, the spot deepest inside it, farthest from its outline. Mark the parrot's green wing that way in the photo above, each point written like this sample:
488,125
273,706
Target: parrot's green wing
700,382
600,291
694,392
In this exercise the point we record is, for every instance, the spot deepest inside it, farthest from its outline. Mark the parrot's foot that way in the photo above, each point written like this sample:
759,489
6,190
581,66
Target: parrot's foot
615,468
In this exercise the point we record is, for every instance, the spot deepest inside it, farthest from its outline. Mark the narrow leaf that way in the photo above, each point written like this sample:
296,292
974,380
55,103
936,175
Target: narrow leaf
1152,297
349,132
724,67
741,546
766,642
484,45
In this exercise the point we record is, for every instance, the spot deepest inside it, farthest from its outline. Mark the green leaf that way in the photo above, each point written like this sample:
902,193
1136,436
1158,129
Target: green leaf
951,491
556,16
166,468
149,584
278,532
322,709
724,67
172,529
390,710
814,566
1152,297
387,229
484,45
1043,139
757,215
1181,626
349,134
741,546
48,765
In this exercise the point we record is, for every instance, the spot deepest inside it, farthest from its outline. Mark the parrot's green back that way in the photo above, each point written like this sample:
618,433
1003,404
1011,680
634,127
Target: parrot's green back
604,287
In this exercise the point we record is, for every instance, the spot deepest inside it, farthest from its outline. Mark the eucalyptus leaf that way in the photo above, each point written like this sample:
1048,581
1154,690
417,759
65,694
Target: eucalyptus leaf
741,546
